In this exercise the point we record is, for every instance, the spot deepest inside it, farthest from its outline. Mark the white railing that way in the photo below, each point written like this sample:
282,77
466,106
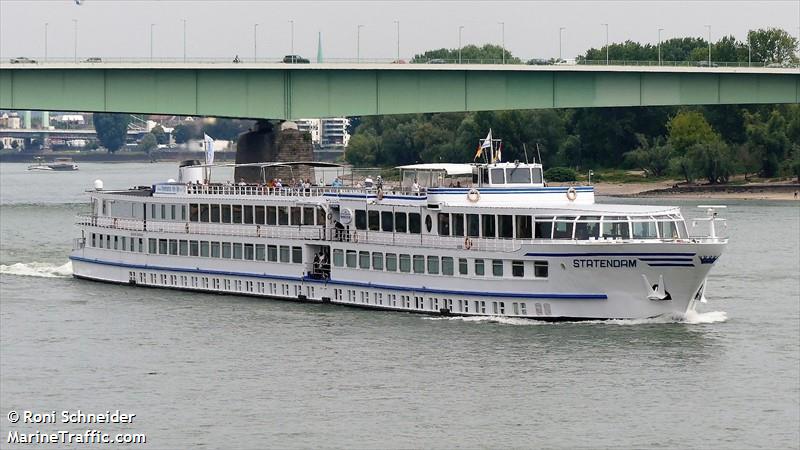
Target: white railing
313,191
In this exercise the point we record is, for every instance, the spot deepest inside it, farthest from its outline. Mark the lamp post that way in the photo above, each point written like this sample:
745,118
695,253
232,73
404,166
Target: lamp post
255,42
709,45
292,38
503,39
45,41
152,25
397,22
749,51
560,30
460,28
184,40
358,42
606,25
75,39
659,45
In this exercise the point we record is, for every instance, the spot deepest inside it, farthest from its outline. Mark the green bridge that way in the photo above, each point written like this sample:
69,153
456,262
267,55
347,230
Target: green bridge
288,91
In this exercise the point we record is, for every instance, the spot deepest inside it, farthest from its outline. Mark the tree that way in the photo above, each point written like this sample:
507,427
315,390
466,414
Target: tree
489,53
682,166
748,161
112,129
713,160
653,158
148,143
161,136
768,139
687,129
362,150
560,174
184,132
225,129
772,45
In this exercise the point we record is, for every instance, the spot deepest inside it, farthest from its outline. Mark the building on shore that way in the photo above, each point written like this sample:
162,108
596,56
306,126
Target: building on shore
329,137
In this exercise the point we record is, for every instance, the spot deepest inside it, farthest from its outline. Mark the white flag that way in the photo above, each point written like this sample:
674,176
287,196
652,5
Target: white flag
208,143
487,143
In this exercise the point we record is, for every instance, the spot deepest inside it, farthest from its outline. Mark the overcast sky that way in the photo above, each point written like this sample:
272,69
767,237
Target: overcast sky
223,28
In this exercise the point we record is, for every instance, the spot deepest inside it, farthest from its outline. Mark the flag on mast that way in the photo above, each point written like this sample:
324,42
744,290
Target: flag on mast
208,144
487,143
498,156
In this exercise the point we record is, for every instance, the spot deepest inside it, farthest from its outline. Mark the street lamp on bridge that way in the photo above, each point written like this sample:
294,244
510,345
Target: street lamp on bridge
184,40
709,44
659,45
75,39
45,41
503,39
255,42
606,25
460,28
560,30
291,22
397,22
358,42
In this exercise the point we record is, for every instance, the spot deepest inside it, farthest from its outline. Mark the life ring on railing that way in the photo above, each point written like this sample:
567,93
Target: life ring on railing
467,243
572,194
187,228
379,194
473,195
330,216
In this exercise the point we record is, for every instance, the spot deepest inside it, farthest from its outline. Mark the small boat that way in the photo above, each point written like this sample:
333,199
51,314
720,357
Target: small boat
40,165
63,164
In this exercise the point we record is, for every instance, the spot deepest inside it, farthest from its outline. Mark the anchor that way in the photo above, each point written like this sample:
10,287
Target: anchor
656,292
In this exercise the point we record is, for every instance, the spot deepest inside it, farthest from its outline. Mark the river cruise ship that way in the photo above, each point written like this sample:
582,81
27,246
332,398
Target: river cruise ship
488,239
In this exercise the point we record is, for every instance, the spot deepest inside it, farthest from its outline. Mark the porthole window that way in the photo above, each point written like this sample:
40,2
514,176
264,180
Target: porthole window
428,223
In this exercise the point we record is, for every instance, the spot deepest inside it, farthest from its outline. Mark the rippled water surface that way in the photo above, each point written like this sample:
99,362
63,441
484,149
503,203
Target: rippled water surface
232,372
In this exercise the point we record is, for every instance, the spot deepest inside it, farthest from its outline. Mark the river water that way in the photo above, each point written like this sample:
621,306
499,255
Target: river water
213,371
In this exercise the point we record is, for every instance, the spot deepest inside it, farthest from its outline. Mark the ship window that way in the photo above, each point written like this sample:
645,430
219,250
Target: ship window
458,224
297,255
644,230
272,253
204,213
248,214
419,264
540,269
108,241
400,222
614,229
296,211
518,268
387,221
163,212
444,224
587,227
116,242
283,215
682,228
226,213
519,175
259,215
183,248
374,220
361,219
236,214
543,228
488,225
433,265
524,227
463,268
473,225
447,265
497,267
391,262
173,214
405,263
248,252
667,230
261,253
498,176
94,240
563,228
284,253
226,250
272,216
308,216
414,223
338,257
351,258
183,212
363,260
101,242
537,175
162,247
377,261
237,250
320,215
505,225
204,251
194,212
428,223
479,270
194,249
215,249
215,213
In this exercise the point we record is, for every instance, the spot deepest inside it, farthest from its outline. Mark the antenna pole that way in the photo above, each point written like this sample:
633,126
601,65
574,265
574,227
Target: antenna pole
539,153
525,148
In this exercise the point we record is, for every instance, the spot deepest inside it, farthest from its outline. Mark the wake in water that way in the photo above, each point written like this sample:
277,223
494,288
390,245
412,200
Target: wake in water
37,269
691,318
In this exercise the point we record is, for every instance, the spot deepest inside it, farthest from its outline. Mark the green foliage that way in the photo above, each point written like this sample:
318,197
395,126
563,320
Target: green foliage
225,129
148,143
489,53
185,132
768,139
560,174
791,167
683,167
362,150
712,160
111,129
689,128
772,45
161,136
653,158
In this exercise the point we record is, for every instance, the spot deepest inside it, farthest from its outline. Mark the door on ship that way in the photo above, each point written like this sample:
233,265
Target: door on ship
320,261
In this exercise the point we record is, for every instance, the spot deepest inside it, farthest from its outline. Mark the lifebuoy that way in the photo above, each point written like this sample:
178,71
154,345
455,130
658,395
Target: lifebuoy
473,195
380,194
330,216
572,194
467,243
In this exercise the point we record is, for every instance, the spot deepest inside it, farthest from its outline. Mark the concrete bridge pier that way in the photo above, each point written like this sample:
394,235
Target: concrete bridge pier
268,142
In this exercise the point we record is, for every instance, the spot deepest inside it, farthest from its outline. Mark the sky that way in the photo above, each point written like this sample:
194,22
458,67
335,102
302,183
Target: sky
221,29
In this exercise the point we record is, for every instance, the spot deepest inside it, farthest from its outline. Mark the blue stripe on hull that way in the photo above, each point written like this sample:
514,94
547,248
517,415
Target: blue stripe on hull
567,255
345,283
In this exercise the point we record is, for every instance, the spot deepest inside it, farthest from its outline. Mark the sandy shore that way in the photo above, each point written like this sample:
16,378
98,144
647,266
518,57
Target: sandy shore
645,190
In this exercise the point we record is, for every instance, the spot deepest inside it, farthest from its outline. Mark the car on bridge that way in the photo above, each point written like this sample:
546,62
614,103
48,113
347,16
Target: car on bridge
295,59
93,59
22,60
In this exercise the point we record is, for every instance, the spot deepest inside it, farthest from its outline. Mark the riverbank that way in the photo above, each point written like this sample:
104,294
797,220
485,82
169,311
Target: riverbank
669,189
118,157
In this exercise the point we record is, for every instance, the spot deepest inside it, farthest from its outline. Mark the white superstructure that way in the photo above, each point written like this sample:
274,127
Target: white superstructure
461,239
